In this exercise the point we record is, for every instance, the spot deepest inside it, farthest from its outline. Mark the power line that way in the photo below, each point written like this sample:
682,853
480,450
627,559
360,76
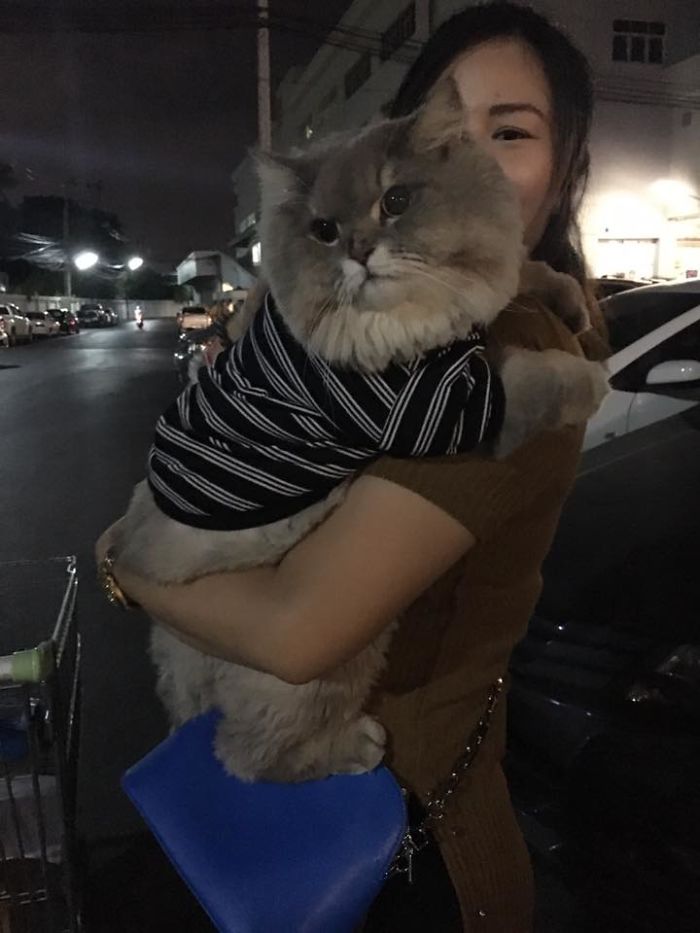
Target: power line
139,18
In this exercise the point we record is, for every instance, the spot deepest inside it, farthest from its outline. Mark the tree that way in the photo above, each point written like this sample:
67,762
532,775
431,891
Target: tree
8,214
8,179
34,239
147,284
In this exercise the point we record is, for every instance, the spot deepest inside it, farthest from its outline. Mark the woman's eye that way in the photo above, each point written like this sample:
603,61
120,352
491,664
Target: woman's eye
510,133
395,201
325,231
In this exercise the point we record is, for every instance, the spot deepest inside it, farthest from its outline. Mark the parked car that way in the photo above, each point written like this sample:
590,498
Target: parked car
194,317
655,365
18,327
4,339
43,323
68,322
604,707
91,316
111,317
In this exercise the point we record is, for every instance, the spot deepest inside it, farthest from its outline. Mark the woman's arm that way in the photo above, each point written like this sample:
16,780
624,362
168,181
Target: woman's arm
330,595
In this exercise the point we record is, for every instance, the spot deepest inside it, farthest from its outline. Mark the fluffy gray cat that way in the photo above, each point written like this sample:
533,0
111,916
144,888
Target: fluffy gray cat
378,247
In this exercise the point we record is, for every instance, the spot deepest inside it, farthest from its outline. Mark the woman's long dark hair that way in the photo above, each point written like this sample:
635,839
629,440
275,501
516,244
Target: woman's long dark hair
569,78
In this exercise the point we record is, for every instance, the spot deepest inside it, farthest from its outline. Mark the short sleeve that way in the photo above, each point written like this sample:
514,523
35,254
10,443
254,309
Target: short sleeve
483,493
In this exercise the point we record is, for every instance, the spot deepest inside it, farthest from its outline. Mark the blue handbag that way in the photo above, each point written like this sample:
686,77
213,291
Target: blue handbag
267,857
283,858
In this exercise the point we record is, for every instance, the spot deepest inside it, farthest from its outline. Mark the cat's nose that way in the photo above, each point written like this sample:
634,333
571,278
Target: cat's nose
360,248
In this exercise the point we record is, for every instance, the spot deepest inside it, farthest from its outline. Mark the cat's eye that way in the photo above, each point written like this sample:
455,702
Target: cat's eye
325,231
396,201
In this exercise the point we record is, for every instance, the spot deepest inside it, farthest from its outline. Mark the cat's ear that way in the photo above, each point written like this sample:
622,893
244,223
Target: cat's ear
440,121
279,176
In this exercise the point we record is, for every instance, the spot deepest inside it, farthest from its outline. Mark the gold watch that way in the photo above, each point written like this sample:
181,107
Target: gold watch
105,577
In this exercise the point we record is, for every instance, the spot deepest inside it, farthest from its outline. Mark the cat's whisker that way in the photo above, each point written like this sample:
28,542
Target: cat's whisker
414,261
434,278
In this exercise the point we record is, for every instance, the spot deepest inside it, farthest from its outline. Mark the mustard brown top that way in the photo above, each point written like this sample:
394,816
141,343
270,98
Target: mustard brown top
458,637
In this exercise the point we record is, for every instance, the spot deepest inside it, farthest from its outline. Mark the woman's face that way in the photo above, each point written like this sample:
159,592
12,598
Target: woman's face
508,111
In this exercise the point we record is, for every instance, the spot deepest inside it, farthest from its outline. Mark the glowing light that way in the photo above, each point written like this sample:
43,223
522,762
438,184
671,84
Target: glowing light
86,260
256,253
135,263
668,189
675,196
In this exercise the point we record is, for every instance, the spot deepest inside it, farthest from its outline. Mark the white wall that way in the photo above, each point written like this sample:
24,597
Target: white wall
629,152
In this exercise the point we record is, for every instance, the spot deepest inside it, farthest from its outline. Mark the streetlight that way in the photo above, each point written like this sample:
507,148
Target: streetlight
132,265
86,260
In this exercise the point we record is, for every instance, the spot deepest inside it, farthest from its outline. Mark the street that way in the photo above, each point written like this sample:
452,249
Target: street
76,421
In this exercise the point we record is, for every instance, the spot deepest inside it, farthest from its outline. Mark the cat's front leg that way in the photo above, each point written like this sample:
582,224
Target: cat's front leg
183,677
559,292
545,390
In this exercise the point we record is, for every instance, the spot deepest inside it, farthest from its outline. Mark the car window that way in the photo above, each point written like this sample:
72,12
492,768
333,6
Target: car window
684,345
633,314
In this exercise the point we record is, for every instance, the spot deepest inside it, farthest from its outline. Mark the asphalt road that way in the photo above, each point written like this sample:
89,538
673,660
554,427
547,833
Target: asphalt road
76,420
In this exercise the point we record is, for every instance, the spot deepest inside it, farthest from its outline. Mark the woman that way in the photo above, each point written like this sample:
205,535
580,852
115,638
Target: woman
453,545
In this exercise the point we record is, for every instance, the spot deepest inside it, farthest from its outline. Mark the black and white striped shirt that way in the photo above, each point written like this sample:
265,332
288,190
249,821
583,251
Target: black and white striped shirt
270,429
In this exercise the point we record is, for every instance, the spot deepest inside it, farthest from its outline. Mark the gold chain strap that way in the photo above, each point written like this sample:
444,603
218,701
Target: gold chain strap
417,837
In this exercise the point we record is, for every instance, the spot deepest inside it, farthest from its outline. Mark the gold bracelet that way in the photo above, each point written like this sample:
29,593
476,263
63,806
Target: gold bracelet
105,577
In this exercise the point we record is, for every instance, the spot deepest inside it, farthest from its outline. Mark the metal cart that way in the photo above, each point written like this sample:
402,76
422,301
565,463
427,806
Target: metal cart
39,739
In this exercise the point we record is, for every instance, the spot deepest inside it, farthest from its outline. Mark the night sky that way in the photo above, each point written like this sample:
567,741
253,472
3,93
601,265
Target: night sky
160,120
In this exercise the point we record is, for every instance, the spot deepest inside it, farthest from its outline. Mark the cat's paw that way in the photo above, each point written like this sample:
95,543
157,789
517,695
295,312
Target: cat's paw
359,748
587,387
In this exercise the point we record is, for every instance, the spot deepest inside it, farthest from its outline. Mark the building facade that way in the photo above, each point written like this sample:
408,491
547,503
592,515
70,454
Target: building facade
213,276
641,214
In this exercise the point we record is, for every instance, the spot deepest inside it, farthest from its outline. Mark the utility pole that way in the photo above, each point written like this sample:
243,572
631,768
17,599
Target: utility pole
264,117
67,275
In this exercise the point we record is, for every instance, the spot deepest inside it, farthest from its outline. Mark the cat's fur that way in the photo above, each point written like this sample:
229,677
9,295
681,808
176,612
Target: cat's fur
451,261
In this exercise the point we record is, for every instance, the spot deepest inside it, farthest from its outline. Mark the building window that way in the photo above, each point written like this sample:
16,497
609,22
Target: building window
403,27
356,76
638,41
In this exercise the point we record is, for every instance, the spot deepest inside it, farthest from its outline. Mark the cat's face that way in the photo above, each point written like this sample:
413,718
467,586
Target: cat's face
381,245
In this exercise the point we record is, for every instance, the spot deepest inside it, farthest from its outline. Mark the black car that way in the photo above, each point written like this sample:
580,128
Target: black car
604,710
67,321
91,316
